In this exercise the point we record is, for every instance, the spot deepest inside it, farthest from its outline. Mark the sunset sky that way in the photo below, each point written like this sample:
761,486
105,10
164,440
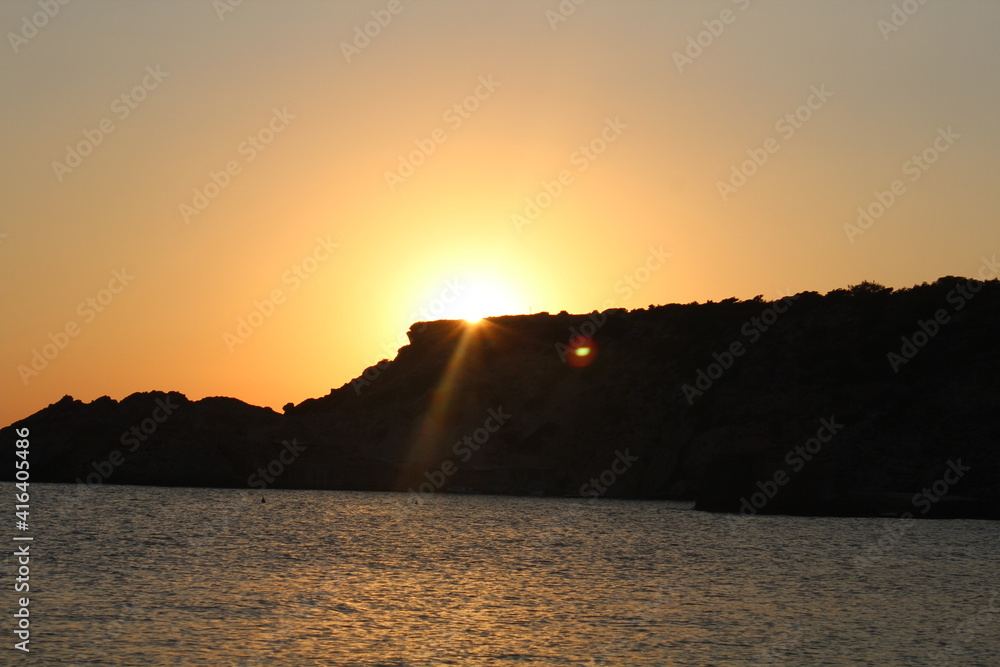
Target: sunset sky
172,168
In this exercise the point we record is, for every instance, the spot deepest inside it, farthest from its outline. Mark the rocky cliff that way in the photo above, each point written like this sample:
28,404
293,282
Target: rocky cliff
865,401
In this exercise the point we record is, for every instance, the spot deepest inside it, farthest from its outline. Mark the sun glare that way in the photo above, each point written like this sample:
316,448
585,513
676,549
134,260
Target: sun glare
485,298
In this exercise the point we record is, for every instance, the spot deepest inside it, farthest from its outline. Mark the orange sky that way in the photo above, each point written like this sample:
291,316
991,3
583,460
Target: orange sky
171,168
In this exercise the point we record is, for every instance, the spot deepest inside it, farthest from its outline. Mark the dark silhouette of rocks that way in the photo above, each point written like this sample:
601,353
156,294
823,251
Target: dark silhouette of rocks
794,406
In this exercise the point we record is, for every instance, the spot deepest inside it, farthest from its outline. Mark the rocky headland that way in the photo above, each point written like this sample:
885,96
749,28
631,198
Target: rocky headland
861,402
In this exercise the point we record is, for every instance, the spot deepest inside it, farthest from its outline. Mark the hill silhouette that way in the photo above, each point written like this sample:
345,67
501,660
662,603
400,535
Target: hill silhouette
866,402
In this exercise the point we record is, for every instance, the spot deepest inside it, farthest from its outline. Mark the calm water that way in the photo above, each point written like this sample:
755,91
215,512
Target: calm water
131,575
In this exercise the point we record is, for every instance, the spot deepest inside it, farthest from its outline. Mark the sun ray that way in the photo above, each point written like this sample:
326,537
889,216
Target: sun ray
430,441
428,435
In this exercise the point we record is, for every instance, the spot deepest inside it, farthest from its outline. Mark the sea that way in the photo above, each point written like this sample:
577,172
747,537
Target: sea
125,575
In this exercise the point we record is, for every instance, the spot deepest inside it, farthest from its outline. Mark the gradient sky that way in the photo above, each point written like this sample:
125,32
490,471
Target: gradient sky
356,260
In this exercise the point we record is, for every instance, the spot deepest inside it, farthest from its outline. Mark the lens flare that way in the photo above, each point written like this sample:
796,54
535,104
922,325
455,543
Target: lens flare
582,351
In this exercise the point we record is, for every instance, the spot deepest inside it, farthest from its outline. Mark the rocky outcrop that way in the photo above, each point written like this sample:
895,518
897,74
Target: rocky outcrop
864,401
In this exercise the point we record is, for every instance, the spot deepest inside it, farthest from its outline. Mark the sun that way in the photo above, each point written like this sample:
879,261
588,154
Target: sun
470,294
485,298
